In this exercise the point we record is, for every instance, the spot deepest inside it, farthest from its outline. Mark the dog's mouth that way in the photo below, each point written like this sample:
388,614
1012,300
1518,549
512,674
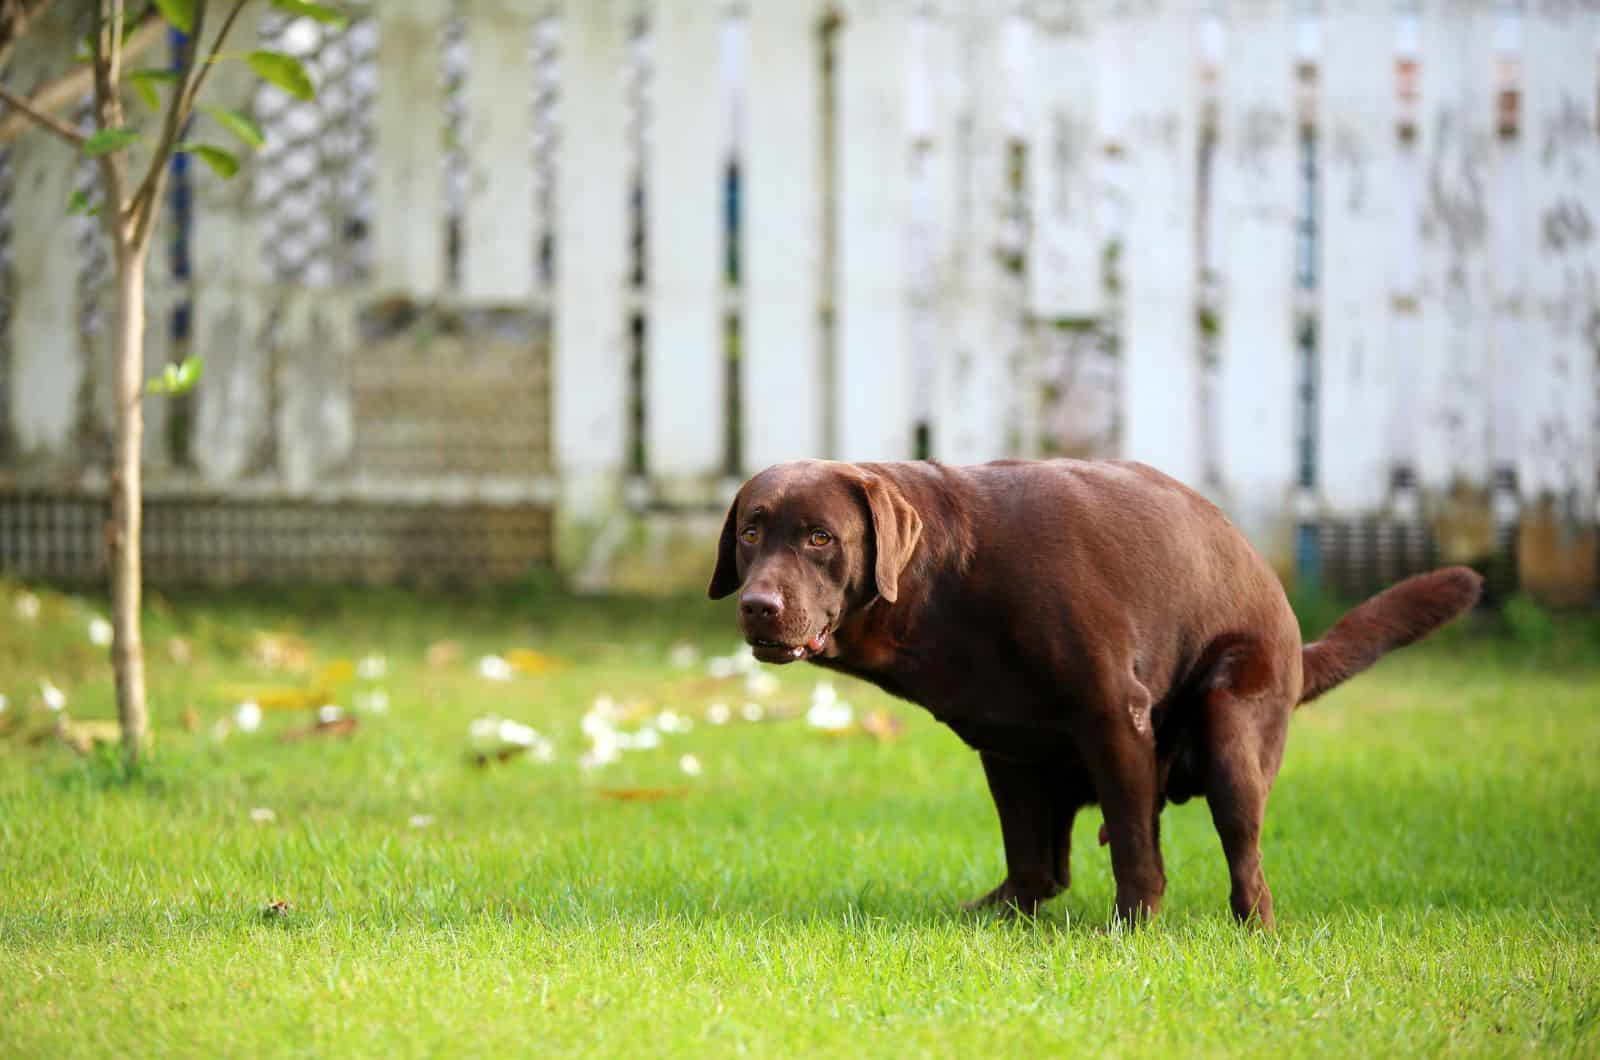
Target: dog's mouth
776,651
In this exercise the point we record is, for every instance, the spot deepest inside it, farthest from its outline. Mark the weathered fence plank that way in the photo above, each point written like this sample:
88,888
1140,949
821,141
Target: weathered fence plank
1064,258
686,363
46,361
497,253
972,399
1161,364
872,360
1356,211
315,340
590,364
781,236
1456,137
1558,459
1256,184
408,119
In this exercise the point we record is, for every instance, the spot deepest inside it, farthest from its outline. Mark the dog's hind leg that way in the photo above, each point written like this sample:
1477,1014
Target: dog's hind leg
1244,747
1117,743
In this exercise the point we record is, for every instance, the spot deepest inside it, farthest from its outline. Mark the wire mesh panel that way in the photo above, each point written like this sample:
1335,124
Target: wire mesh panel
314,174
220,540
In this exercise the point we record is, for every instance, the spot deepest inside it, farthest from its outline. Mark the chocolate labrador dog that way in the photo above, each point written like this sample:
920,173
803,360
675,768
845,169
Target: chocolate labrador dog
1097,631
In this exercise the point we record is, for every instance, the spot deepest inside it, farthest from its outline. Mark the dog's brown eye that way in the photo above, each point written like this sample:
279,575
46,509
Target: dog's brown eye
749,534
820,538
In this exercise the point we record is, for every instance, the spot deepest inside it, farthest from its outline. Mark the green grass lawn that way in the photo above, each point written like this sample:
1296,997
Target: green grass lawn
1433,845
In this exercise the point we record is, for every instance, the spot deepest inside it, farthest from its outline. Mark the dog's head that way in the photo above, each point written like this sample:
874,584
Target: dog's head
806,544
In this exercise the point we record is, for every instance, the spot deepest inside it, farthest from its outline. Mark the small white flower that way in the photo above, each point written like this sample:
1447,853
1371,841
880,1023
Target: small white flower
602,715
543,750
420,820
605,745
484,733
645,739
372,667
744,659
263,815
329,714
54,698
691,765
99,632
247,716
27,607
515,734
753,712
494,668
719,666
823,695
683,656
718,714
672,721
760,683
375,701
3,703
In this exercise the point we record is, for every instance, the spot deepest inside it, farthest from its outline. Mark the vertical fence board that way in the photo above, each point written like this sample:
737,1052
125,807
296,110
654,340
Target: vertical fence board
1456,136
1064,258
972,401
1558,457
1256,184
46,363
687,356
1356,214
872,394
590,384
408,128
231,409
781,355
498,239
316,339
1161,367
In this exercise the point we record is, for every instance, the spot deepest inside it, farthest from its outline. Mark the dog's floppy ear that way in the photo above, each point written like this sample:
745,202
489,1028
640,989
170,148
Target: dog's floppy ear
896,527
725,579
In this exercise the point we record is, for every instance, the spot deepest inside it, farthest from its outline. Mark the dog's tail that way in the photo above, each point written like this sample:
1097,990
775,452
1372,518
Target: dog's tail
1398,616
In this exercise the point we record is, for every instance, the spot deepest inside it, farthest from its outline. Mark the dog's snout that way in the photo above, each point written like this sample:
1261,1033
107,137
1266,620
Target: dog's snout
760,603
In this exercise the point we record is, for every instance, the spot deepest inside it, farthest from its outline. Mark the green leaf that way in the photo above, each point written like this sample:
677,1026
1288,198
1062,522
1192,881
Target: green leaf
107,140
145,82
178,12
177,378
236,123
147,92
224,163
79,203
284,71
320,12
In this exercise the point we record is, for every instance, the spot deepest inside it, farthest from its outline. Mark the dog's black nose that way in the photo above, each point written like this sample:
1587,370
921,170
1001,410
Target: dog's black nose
759,604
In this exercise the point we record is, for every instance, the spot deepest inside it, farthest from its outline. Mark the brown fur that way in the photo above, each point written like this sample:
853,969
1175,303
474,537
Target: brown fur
1097,631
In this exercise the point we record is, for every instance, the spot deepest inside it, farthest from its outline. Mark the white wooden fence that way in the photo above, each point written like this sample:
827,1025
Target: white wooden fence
1315,243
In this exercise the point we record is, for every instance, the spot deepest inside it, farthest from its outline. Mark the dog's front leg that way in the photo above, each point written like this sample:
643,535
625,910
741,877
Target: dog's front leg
1036,828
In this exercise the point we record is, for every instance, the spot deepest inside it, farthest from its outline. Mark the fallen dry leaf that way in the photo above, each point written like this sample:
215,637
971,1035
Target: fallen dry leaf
883,726
442,653
528,661
341,726
82,736
335,672
278,698
642,794
276,909
281,651
191,720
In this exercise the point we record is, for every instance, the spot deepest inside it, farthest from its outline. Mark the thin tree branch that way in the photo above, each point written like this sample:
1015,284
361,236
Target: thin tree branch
70,87
25,112
22,16
113,164
181,105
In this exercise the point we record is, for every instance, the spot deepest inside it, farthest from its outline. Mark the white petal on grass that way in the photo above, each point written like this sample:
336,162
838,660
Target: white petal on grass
372,667
829,717
420,820
99,632
683,656
374,701
329,714
263,815
4,703
27,607
823,695
718,714
516,734
719,666
753,712
691,765
53,697
645,739
760,683
247,716
672,721
494,668
744,659
542,750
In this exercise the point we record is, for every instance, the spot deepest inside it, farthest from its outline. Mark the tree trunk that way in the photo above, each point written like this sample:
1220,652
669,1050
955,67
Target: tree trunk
122,534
